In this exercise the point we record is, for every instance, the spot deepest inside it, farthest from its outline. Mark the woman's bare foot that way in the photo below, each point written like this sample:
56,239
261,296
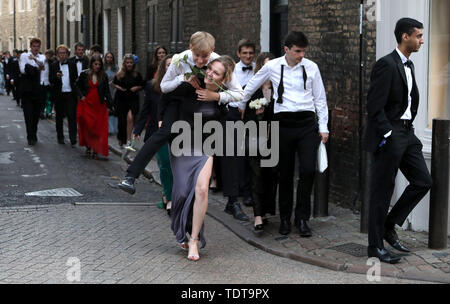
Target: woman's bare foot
193,250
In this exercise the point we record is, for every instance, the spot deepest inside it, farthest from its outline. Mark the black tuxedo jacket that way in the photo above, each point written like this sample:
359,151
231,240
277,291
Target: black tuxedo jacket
84,61
13,68
387,99
56,82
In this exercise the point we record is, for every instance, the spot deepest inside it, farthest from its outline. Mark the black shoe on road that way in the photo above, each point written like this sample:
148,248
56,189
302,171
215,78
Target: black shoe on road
236,211
127,185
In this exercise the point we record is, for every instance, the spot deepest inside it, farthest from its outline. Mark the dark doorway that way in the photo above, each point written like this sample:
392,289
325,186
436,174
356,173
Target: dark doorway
278,25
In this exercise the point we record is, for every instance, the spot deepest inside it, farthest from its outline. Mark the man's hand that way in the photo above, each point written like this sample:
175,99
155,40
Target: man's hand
83,99
160,124
207,95
59,74
135,89
325,137
193,80
260,111
242,113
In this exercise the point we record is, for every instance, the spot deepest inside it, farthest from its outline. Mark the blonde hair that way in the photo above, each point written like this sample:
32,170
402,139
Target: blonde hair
62,46
123,70
229,64
202,42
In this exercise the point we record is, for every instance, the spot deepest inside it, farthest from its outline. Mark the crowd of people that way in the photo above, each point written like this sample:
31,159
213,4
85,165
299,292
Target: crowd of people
89,90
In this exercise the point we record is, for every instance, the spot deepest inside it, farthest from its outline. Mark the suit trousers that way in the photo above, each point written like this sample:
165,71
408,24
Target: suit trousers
303,139
66,106
234,182
403,151
32,107
155,142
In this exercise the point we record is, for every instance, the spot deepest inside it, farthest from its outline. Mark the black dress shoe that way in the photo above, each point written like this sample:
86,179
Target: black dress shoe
127,185
383,255
303,229
285,227
73,143
392,238
61,142
236,211
32,142
248,202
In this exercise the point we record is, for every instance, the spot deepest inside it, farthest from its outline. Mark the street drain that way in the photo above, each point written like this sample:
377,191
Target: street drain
353,249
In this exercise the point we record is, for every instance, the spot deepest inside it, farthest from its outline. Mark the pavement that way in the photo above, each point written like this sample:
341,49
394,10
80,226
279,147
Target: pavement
336,244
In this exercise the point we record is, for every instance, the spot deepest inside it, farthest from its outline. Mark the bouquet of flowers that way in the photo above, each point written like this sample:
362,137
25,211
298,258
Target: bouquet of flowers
258,103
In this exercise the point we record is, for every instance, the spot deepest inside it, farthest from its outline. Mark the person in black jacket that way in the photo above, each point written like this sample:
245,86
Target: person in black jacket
80,59
92,116
14,76
63,77
31,66
392,104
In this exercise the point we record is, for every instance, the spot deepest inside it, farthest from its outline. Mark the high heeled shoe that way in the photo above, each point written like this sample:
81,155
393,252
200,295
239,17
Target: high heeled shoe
193,257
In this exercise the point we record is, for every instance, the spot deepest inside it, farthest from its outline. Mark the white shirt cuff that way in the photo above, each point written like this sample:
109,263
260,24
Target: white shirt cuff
388,134
323,128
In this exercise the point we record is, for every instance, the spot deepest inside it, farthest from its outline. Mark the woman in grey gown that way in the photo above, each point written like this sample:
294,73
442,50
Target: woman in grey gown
191,174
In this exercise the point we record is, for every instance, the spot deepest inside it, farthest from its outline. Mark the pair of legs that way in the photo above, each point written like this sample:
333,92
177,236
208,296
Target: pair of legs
66,106
403,151
200,207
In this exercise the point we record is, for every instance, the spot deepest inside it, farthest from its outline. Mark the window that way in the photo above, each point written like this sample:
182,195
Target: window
11,45
29,5
106,30
120,32
439,79
21,5
177,25
152,24
1,8
11,6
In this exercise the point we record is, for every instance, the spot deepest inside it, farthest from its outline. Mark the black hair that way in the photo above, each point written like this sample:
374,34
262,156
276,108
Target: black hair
296,38
246,43
406,26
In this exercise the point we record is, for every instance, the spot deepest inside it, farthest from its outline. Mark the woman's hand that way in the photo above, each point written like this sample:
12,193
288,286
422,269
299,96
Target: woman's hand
160,124
120,88
207,95
83,99
135,89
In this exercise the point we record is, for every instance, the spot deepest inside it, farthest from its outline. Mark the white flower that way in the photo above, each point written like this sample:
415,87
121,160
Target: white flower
258,103
176,60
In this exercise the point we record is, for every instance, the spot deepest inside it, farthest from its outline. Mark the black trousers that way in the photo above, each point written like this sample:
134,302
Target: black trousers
234,180
66,106
263,184
298,134
403,151
155,142
32,106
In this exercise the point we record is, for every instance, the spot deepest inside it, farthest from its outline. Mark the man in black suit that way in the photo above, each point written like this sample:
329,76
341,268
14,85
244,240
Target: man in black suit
14,76
80,59
63,77
393,101
31,65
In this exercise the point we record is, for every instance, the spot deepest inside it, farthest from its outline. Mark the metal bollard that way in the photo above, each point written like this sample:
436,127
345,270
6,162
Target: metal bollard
438,225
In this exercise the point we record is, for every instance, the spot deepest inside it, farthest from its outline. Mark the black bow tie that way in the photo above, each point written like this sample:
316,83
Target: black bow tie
78,60
409,64
249,68
65,62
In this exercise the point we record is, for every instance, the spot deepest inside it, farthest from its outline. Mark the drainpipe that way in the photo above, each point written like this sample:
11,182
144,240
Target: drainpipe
133,26
15,34
48,24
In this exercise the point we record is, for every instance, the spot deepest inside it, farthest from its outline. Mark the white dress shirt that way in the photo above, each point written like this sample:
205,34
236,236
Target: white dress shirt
79,66
244,77
295,97
44,75
407,115
66,87
25,59
175,77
